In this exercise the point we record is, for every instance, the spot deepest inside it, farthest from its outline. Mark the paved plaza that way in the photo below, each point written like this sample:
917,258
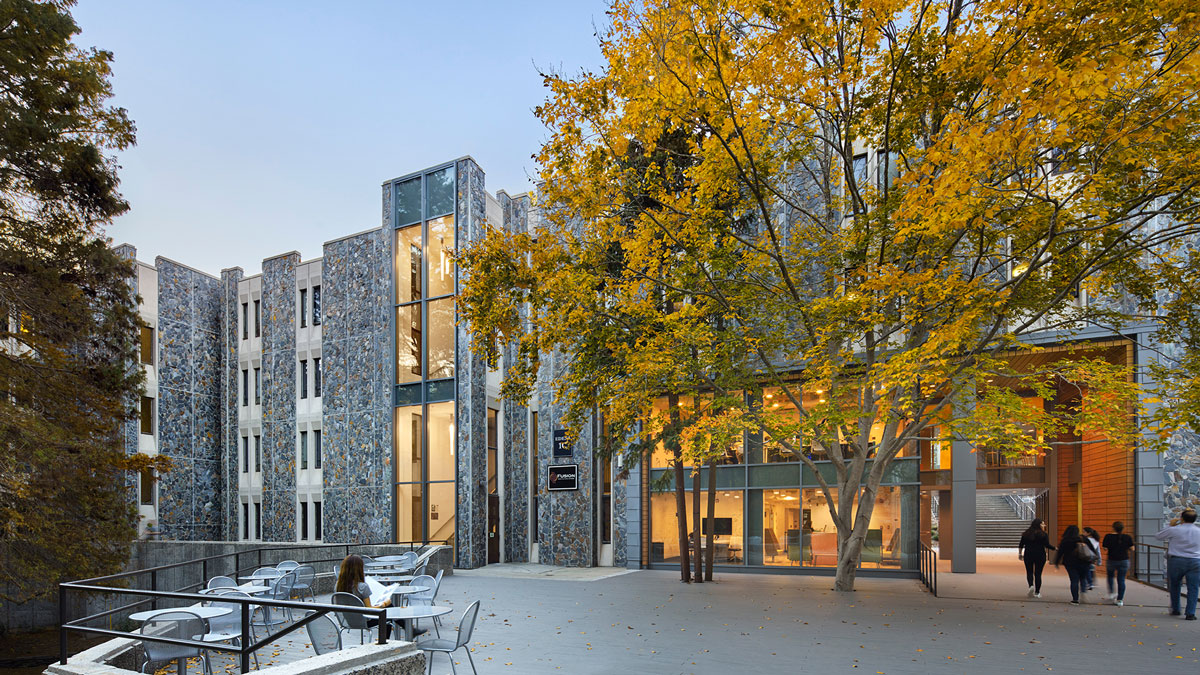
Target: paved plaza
542,620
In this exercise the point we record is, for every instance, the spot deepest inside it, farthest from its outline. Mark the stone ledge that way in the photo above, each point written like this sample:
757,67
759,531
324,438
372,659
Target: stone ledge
394,658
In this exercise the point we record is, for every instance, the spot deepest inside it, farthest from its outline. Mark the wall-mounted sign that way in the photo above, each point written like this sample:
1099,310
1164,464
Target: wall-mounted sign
563,477
562,446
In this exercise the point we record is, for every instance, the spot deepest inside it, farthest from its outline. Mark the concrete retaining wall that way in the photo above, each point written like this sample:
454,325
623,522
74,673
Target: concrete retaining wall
118,657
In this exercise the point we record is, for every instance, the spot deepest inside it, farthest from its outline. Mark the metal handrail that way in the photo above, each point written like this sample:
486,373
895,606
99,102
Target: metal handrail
928,568
246,645
1141,571
151,595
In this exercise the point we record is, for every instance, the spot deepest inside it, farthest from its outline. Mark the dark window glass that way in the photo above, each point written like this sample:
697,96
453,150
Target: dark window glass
439,193
317,450
303,378
257,318
147,415
606,504
317,377
258,520
245,520
147,345
860,171
408,202
303,307
303,450
257,454
317,520
535,476
257,386
147,487
245,320
316,310
245,387
493,439
245,454
440,390
303,521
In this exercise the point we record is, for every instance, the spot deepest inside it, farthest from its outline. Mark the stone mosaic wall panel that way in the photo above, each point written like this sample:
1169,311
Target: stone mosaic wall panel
357,387
191,495
1181,462
129,430
471,508
566,519
230,308
279,397
516,422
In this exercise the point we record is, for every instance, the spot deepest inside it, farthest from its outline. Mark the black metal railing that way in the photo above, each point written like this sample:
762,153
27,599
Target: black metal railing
125,584
1150,564
928,567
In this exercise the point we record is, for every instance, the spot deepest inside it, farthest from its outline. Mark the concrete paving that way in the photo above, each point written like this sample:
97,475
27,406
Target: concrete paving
534,620
647,622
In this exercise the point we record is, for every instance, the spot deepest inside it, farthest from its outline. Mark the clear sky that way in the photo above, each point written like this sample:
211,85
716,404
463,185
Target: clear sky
268,126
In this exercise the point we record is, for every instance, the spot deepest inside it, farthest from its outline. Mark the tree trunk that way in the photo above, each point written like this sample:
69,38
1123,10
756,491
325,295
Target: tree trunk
712,507
698,576
850,543
685,563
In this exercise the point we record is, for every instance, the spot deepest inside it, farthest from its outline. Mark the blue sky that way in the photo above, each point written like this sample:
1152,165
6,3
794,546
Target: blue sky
265,127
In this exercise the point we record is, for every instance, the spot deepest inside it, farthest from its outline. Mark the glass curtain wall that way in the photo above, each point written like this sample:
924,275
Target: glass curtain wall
769,510
424,280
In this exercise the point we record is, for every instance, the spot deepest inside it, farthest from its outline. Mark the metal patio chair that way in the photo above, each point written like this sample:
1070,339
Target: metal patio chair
227,628
305,577
465,627
351,620
222,582
181,625
325,635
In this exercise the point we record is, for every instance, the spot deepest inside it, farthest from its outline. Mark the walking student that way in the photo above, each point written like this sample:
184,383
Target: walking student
1118,544
1183,560
1094,538
1032,550
1075,553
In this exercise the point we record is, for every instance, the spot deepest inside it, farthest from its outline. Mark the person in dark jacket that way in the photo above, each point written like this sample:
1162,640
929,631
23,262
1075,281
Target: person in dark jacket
1118,544
1032,550
1068,556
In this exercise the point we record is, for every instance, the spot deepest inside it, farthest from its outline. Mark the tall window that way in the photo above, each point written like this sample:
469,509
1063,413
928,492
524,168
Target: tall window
303,307
316,314
316,448
245,387
245,454
317,378
534,476
258,520
257,386
245,321
146,480
147,345
303,450
146,415
424,275
303,378
303,520
317,534
257,453
257,318
245,520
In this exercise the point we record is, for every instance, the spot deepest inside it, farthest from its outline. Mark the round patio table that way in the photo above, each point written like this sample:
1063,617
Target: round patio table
407,615
405,590
204,612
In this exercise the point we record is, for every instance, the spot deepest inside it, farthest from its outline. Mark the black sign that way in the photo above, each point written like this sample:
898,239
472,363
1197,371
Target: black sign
563,477
562,447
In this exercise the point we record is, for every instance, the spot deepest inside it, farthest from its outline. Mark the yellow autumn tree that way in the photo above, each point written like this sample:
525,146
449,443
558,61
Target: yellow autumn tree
863,209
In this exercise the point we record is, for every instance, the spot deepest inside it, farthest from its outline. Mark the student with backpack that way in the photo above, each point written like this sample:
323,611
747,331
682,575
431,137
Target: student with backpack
1075,553
1032,549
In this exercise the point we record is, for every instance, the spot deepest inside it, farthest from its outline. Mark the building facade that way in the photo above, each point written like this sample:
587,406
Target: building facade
339,400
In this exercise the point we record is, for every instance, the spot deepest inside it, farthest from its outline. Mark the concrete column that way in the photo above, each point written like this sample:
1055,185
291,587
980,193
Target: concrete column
962,498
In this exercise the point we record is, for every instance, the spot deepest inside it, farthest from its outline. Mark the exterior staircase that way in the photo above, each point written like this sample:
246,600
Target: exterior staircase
996,523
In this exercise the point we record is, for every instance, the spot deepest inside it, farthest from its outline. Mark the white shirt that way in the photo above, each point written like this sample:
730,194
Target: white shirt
1183,540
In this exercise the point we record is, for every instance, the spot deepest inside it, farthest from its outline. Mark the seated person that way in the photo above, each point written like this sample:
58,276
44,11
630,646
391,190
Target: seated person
353,580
